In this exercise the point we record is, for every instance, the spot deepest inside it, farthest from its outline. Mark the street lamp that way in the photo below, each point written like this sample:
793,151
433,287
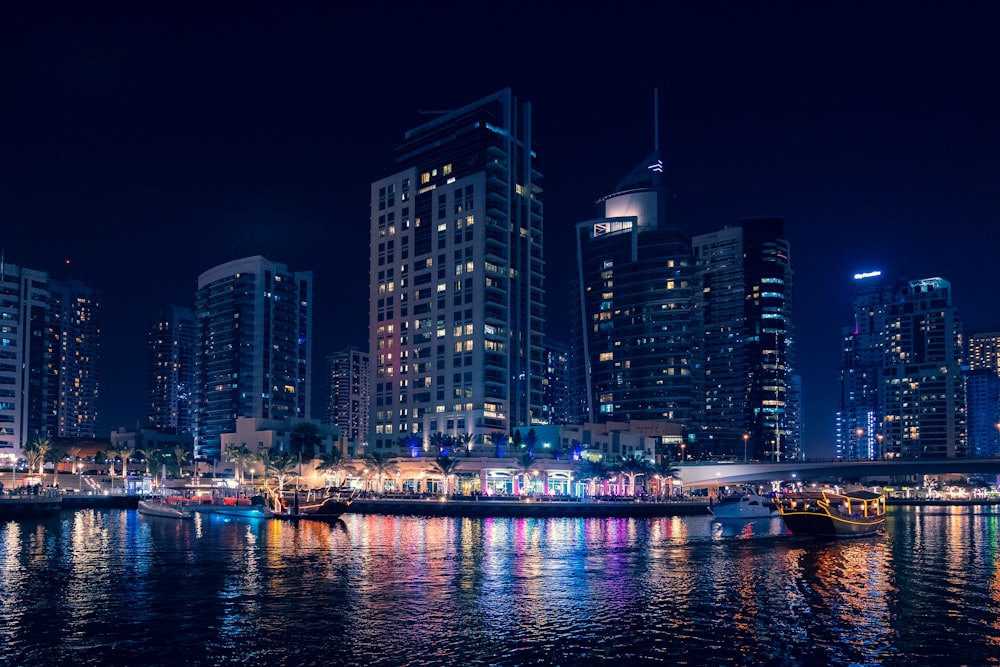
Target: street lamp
746,436
857,445
881,454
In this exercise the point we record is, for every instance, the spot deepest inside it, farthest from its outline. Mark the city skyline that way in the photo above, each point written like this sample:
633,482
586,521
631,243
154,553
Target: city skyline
144,164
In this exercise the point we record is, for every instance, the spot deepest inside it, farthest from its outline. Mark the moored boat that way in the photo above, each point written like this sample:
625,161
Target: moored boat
164,508
833,513
245,507
748,505
330,507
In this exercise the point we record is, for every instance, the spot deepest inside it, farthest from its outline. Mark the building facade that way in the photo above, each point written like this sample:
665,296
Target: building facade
751,389
983,392
27,370
170,379
348,404
859,429
556,396
75,337
924,403
639,316
254,354
457,284
49,358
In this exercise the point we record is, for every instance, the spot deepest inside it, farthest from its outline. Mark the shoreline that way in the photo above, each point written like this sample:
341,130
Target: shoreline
527,508
928,502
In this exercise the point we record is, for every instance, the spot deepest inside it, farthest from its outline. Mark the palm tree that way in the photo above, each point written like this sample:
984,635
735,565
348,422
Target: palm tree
441,443
115,451
56,457
411,443
305,439
632,467
180,460
336,463
241,456
446,466
281,466
156,463
530,441
74,455
593,472
36,451
522,466
670,471
500,441
380,464
466,441
143,455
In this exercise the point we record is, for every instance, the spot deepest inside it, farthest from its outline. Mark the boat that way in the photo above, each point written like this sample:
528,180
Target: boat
330,508
252,508
833,513
748,505
170,508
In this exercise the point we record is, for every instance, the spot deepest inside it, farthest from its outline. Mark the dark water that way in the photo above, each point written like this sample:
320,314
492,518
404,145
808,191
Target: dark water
115,588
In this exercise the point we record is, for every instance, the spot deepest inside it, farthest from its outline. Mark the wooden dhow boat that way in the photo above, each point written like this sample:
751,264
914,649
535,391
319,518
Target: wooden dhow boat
831,513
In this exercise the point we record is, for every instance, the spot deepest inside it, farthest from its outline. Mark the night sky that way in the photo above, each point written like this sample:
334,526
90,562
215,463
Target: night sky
145,148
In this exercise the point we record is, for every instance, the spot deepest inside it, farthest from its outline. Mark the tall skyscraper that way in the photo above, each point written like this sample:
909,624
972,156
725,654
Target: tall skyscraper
751,391
557,382
49,358
984,351
348,404
75,334
860,431
640,331
983,393
903,391
457,282
170,385
922,382
28,377
255,347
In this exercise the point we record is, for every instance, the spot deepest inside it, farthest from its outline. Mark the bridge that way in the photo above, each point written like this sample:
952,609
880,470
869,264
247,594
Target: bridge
710,475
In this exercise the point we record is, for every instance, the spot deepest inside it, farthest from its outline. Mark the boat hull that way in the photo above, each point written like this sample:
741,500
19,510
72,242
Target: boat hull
812,523
250,511
331,508
749,507
163,510
828,513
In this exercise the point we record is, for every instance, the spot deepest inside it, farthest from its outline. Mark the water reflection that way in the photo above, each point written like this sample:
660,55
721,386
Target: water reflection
378,590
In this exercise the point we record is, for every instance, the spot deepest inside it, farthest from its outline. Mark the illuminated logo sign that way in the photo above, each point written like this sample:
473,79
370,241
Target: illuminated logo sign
867,274
656,166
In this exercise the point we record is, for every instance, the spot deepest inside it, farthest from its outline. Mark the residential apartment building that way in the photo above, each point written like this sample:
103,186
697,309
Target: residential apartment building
457,283
751,389
170,375
49,358
983,392
860,433
639,318
348,404
924,403
75,337
254,357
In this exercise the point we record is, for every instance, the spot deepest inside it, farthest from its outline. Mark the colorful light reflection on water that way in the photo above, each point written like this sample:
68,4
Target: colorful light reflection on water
112,587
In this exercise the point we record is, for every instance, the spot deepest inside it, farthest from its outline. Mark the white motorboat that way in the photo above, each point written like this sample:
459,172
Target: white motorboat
164,509
748,505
